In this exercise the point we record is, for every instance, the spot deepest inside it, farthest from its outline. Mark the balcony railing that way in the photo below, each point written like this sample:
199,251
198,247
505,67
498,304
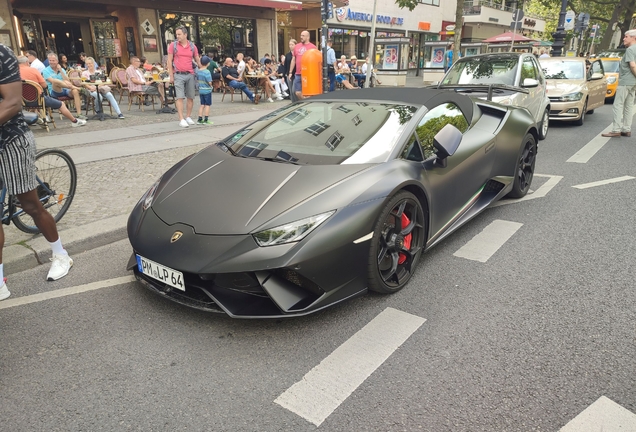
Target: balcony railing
473,7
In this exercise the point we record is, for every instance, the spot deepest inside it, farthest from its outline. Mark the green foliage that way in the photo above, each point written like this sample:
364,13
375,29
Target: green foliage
410,4
427,130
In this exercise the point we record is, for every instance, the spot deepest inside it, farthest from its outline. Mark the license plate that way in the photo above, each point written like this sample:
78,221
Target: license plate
161,273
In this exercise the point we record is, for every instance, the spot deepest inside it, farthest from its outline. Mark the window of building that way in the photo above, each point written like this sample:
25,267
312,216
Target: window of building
429,2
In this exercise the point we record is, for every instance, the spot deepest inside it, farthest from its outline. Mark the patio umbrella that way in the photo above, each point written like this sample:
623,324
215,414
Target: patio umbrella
507,37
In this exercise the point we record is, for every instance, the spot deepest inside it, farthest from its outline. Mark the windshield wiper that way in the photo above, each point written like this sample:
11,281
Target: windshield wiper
293,161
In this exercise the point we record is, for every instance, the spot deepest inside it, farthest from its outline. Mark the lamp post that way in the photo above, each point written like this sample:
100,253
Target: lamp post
559,35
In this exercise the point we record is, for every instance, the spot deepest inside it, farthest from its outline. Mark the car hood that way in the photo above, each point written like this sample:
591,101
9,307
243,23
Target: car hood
563,87
220,194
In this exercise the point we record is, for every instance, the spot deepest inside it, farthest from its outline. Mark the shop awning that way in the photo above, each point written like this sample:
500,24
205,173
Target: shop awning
507,37
273,4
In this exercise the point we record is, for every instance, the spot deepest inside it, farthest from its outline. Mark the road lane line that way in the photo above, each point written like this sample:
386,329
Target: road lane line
327,385
603,182
486,243
63,292
602,415
539,193
591,148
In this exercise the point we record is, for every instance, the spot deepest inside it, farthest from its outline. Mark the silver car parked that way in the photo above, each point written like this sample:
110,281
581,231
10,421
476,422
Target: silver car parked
507,78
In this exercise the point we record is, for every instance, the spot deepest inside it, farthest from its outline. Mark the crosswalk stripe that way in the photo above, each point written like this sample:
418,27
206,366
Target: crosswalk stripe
327,385
591,148
63,292
603,182
486,243
603,415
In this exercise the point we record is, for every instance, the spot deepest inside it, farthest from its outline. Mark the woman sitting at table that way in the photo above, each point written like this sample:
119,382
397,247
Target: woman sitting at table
63,61
342,74
103,89
251,68
276,80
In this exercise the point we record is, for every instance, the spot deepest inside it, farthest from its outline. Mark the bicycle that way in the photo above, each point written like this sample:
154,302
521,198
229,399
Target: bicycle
57,179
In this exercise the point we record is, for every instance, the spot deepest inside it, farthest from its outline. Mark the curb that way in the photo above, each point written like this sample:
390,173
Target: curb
32,253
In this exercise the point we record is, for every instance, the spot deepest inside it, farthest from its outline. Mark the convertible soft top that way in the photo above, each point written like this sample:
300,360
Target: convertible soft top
412,96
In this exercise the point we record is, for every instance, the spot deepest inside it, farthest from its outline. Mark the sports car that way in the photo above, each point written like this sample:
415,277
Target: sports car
327,198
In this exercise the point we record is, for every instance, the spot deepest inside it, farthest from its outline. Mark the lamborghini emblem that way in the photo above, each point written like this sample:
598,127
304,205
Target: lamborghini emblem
176,236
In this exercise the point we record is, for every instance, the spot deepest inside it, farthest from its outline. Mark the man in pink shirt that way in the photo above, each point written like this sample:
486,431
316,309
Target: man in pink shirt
299,50
180,55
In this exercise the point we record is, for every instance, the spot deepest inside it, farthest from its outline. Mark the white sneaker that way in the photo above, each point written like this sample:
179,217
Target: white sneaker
78,123
280,98
183,123
285,94
276,95
190,121
4,291
270,100
60,267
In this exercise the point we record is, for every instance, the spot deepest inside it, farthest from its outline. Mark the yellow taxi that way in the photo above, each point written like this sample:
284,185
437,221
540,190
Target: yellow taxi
610,65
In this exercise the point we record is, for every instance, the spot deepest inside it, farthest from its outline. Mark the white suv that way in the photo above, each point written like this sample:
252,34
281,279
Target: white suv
506,78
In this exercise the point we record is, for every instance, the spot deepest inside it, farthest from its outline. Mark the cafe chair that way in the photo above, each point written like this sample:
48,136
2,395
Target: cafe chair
229,90
140,98
122,84
33,101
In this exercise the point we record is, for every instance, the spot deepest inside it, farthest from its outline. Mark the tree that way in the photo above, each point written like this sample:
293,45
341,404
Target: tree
459,15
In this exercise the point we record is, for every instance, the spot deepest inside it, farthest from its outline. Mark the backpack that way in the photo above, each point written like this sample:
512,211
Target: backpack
174,53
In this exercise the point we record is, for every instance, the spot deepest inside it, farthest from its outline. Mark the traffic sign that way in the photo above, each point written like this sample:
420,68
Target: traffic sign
569,20
517,15
516,25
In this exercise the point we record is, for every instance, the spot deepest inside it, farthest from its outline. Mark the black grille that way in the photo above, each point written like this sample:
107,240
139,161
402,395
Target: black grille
299,280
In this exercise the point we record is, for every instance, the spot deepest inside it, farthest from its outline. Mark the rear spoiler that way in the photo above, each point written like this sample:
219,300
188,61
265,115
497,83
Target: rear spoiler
483,87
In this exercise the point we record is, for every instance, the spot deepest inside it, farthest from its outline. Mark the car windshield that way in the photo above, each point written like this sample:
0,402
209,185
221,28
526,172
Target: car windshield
325,133
611,65
563,70
483,70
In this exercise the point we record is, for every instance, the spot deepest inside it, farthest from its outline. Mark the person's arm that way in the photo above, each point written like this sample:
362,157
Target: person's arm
632,67
134,78
292,65
169,61
11,103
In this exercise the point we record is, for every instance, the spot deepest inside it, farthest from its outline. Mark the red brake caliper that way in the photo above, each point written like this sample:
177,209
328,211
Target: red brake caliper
407,238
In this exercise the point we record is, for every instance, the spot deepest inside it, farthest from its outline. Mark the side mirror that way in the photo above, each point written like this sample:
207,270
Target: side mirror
446,142
597,76
529,82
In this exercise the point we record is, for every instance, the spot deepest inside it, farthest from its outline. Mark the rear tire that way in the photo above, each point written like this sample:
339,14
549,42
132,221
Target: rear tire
56,188
397,243
524,170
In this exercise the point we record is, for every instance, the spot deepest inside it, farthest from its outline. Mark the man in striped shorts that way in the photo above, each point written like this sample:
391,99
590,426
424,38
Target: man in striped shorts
17,166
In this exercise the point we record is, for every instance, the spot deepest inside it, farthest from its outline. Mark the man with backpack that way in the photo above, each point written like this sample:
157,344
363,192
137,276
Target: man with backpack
183,58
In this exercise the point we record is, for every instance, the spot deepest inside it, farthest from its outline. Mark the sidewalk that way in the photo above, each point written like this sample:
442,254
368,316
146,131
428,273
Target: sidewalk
117,161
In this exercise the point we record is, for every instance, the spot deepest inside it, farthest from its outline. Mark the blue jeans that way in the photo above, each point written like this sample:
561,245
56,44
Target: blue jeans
242,87
360,78
332,80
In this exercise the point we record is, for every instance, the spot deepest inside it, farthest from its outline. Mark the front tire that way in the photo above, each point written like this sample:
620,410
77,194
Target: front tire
398,241
525,168
581,119
545,122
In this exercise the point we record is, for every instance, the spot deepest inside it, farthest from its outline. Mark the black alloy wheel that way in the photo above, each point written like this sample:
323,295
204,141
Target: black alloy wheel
525,168
397,243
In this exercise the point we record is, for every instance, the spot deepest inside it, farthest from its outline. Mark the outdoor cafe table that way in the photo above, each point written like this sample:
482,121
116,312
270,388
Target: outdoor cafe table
255,80
166,109
98,103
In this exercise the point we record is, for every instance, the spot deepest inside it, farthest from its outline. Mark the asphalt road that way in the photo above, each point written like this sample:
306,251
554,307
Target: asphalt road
526,340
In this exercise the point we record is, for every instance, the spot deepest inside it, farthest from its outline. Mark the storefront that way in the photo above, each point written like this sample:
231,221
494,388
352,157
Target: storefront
114,30
349,28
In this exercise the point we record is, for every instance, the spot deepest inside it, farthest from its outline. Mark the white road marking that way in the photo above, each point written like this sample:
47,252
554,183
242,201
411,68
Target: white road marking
603,182
327,385
591,148
63,292
539,193
486,243
603,415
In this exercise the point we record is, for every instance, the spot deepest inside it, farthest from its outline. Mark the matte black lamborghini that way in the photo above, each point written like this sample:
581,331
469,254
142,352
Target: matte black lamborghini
326,198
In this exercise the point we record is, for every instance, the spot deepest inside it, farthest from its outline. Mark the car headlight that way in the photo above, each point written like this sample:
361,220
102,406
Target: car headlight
291,232
149,195
611,80
572,97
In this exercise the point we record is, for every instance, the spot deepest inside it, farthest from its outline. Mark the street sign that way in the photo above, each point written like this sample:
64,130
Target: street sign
515,25
517,15
569,20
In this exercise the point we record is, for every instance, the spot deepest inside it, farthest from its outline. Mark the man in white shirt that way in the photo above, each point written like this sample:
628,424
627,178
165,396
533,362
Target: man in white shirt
544,54
33,59
241,64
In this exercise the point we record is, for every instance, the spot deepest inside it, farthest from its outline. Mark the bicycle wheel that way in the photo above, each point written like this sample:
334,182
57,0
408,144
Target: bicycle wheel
57,179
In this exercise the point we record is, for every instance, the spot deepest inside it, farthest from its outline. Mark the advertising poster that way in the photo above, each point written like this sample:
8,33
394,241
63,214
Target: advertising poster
437,60
390,60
